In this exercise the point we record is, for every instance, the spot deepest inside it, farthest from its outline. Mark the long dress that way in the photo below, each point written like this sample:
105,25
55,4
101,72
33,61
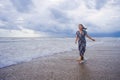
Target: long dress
81,42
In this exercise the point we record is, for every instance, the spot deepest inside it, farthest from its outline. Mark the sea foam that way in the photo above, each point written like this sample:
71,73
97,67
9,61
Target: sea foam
17,50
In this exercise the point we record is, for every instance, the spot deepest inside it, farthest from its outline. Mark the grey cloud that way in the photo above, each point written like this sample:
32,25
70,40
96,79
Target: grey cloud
59,16
100,3
97,4
70,4
116,3
22,5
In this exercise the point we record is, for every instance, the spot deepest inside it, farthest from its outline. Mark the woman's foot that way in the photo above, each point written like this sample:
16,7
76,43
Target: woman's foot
83,61
79,59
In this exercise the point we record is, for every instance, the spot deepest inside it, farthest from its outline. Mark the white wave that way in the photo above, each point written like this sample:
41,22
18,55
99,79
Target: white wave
17,50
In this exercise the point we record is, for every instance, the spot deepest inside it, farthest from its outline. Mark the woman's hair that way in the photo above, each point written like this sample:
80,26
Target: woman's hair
82,26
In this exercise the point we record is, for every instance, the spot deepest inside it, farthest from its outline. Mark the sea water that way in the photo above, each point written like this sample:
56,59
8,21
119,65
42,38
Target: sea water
17,50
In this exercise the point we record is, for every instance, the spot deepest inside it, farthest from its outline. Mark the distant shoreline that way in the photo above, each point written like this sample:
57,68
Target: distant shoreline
66,37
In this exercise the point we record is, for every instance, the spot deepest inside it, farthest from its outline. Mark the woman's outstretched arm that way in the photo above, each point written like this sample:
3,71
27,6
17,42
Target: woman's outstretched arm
90,37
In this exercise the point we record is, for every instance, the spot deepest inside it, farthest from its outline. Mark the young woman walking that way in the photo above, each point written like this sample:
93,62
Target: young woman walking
80,38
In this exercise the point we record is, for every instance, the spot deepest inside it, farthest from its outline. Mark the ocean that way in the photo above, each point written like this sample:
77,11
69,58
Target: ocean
18,50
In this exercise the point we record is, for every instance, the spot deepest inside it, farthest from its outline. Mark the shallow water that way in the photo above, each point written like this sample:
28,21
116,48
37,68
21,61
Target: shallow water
17,50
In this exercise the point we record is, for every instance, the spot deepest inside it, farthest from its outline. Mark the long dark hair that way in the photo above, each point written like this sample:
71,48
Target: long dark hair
82,26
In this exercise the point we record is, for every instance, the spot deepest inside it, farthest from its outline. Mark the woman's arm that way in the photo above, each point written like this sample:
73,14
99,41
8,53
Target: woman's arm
90,37
76,39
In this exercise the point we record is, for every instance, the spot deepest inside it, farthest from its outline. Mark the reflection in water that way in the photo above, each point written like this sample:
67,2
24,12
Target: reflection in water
83,72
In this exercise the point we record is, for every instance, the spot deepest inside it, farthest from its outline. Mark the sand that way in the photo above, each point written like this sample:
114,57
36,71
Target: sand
103,63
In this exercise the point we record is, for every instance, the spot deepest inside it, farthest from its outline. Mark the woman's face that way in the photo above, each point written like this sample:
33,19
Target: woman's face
80,27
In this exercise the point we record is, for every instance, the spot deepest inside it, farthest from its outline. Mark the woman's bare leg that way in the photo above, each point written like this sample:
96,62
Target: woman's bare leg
82,57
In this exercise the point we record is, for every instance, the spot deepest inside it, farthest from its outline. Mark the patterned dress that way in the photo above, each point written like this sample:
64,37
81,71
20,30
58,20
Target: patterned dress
81,42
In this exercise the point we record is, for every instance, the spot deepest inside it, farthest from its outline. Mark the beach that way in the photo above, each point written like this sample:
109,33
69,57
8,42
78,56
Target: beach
103,63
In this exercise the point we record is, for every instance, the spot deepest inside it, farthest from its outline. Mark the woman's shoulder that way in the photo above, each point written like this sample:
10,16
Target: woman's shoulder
77,32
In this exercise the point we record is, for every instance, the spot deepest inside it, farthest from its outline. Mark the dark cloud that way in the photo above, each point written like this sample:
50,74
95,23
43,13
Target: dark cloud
97,4
10,27
70,5
59,16
22,5
100,3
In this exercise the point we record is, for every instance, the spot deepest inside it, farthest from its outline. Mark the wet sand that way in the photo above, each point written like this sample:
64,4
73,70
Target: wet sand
103,63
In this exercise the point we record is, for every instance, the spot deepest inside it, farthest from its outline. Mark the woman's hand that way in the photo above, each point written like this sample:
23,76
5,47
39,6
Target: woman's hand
93,39
75,42
90,37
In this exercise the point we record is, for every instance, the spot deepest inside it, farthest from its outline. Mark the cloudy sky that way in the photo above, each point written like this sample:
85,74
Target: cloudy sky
41,18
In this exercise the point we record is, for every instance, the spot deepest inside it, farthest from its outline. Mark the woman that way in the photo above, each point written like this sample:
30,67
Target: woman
80,38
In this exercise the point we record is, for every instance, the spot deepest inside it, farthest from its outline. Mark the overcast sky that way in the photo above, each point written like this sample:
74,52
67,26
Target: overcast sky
39,18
